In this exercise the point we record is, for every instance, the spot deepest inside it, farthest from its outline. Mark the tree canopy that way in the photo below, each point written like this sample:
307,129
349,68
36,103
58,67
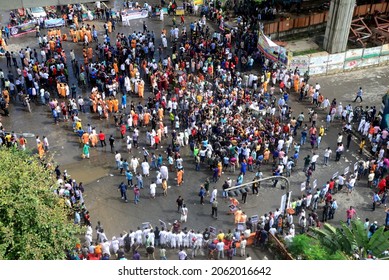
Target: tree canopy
307,248
34,221
353,239
334,243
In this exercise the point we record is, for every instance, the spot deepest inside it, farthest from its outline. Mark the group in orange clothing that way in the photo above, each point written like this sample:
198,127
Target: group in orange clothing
110,105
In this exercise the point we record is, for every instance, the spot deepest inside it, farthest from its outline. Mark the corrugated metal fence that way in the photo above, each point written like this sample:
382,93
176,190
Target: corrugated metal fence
319,18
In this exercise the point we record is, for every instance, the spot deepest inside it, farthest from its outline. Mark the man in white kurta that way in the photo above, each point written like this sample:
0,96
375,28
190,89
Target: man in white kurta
145,168
164,172
134,164
153,188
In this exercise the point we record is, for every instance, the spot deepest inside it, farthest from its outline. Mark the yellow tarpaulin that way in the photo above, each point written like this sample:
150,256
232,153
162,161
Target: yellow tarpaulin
198,2
180,12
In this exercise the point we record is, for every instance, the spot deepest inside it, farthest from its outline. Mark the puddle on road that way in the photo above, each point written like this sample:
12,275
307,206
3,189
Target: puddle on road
81,173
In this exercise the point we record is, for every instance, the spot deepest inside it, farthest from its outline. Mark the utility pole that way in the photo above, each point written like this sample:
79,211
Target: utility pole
338,26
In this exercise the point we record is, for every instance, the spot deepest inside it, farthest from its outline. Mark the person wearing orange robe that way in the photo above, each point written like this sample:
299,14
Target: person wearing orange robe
110,105
180,175
6,96
85,138
371,131
93,139
90,53
264,86
109,26
89,34
52,45
237,216
78,34
82,34
115,66
296,83
135,118
146,119
73,35
132,72
86,61
115,105
59,89
266,155
220,169
243,218
160,113
41,150
141,89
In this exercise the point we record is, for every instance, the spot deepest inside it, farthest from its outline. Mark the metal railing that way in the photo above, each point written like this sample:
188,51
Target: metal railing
286,180
279,248
261,180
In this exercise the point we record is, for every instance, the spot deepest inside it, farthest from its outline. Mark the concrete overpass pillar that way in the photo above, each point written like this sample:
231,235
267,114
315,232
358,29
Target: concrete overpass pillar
338,25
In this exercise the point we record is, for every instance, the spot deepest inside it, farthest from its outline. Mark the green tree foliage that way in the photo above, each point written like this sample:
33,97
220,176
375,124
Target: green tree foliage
351,239
307,248
34,222
332,243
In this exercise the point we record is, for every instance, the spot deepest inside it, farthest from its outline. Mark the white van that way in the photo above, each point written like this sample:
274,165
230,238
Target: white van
37,12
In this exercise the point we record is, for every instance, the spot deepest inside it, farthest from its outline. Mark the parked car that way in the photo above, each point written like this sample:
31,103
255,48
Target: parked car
36,12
